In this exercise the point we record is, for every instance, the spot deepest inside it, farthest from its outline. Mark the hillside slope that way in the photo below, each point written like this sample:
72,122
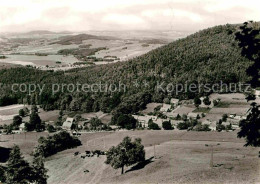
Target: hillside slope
77,39
209,56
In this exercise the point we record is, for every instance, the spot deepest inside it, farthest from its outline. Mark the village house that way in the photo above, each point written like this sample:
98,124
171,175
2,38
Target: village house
160,121
67,125
232,115
257,93
22,127
144,119
171,114
212,124
174,102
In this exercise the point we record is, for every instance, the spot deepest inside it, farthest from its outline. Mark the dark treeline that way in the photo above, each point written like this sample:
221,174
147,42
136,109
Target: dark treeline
209,56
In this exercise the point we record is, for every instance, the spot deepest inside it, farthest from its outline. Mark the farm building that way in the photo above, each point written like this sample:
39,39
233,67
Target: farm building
165,108
68,124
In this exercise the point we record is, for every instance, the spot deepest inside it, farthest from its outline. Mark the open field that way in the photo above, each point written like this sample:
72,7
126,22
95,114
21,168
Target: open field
34,60
8,112
181,157
150,107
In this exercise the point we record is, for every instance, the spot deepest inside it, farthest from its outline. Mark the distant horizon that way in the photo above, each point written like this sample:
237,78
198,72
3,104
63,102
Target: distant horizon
117,15
107,30
84,31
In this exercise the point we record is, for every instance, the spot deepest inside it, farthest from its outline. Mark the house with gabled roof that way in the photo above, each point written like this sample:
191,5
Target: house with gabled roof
67,125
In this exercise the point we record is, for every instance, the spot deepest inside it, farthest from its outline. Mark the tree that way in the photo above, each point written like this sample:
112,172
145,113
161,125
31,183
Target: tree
17,120
26,111
2,173
34,109
95,123
126,121
219,126
224,117
50,128
126,153
203,115
87,105
18,171
200,127
39,172
250,96
35,122
250,127
152,125
184,117
206,101
249,41
215,102
75,105
197,101
178,117
167,125
183,125
58,142
166,101
21,113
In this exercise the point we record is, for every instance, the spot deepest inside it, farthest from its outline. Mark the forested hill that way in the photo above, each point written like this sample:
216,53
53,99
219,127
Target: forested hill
208,56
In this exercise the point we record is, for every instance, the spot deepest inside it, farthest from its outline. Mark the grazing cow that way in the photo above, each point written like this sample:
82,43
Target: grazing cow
88,152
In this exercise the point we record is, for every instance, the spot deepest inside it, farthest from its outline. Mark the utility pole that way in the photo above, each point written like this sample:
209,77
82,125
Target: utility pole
154,151
211,158
211,164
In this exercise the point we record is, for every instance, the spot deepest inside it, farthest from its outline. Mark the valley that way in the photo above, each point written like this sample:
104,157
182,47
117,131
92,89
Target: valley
41,49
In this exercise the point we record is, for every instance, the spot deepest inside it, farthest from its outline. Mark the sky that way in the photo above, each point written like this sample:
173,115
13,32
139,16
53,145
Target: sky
84,15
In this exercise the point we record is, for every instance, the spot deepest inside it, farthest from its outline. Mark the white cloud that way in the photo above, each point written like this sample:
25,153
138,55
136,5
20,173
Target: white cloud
122,19
220,5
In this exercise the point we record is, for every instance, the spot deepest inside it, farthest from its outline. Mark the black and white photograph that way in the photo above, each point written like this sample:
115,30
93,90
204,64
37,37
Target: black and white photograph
129,92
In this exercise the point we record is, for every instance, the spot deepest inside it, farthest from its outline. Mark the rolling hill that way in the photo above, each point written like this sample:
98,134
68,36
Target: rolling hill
207,57
77,39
